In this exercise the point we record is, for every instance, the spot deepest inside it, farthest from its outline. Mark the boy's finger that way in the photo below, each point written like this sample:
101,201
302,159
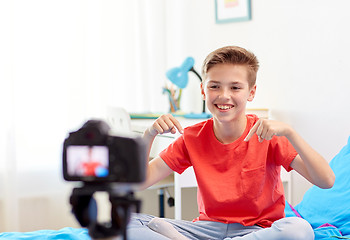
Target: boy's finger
173,130
157,128
270,134
177,124
252,131
263,133
164,126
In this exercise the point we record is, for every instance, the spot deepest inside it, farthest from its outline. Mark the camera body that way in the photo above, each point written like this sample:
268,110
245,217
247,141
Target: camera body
93,155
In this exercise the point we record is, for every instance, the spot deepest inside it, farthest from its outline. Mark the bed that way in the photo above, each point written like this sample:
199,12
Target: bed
64,233
327,210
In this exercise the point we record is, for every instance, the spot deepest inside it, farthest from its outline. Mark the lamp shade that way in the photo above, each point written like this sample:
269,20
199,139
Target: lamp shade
179,75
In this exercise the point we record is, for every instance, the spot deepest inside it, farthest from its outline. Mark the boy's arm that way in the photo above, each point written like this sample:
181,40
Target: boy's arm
308,162
157,169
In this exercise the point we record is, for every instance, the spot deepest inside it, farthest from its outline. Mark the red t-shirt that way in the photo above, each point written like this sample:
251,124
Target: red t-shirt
237,182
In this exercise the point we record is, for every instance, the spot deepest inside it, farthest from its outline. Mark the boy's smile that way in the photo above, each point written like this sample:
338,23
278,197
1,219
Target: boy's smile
224,106
226,91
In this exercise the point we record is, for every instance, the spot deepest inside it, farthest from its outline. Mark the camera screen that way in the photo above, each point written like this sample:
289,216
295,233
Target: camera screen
87,161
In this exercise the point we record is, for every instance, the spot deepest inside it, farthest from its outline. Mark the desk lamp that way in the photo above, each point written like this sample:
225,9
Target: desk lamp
179,77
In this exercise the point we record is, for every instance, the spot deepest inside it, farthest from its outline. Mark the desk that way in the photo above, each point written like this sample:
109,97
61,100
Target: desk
161,142
187,179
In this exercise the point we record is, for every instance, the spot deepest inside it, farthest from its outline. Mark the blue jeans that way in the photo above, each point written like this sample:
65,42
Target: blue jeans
291,228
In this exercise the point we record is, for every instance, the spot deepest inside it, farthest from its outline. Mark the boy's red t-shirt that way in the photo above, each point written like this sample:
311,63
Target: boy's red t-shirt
237,182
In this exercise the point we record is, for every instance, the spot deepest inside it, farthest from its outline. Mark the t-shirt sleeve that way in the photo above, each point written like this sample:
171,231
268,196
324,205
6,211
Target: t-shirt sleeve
284,152
176,155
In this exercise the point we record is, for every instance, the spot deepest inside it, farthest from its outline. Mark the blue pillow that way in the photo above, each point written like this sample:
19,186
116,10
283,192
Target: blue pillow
320,206
328,233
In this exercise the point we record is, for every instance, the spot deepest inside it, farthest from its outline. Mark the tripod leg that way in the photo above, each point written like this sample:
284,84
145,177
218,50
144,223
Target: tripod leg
121,211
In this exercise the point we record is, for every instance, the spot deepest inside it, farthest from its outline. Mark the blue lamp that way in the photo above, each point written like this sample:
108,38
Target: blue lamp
179,75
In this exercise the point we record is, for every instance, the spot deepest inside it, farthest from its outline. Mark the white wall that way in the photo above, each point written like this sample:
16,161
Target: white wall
61,63
303,48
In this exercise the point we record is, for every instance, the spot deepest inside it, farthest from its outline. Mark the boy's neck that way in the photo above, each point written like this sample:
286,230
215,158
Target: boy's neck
228,132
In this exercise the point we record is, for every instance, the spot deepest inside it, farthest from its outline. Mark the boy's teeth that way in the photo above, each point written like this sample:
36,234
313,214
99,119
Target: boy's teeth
224,107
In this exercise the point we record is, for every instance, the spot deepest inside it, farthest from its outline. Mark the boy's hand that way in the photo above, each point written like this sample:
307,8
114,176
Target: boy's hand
266,129
165,124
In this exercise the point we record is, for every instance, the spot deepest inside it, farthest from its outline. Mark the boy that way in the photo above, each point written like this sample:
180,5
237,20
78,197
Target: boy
236,159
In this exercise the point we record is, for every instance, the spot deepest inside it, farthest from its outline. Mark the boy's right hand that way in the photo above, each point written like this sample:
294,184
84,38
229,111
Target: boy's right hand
165,124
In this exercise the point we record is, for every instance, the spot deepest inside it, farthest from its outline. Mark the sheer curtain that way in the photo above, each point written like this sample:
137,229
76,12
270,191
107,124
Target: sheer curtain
61,63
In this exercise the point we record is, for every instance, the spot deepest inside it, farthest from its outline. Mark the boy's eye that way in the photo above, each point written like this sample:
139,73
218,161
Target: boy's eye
213,86
236,88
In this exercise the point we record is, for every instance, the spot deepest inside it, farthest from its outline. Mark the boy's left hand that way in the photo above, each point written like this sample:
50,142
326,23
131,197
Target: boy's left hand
265,129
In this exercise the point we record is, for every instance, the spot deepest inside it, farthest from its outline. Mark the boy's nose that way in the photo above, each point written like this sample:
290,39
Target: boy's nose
225,93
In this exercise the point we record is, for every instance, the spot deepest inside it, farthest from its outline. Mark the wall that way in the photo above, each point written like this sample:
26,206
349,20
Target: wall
303,50
61,63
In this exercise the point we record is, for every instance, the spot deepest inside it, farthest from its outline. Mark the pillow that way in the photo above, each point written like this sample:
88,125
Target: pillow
328,232
320,206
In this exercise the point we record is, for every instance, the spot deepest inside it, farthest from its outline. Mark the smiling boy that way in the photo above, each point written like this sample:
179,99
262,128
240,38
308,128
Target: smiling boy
237,160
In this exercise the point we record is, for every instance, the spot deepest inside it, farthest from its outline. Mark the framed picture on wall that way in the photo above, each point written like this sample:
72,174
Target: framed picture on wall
232,10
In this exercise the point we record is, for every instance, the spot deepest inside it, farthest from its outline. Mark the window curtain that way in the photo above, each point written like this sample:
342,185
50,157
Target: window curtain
62,63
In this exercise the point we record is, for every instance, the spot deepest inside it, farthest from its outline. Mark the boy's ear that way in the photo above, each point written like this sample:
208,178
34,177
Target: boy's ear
252,93
202,91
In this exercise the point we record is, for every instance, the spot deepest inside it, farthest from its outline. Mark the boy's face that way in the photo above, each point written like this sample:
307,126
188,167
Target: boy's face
226,91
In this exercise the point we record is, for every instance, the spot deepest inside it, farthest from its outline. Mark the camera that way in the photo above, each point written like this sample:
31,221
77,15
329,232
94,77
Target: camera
93,154
104,162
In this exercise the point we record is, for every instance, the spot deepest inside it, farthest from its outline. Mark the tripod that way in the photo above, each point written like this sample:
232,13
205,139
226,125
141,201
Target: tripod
84,207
